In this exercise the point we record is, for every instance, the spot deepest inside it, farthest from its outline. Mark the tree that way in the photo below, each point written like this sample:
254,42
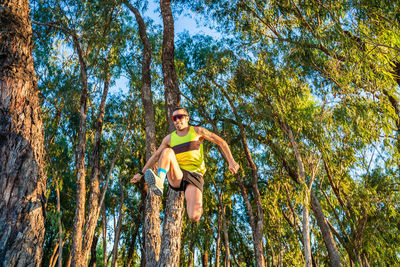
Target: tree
22,175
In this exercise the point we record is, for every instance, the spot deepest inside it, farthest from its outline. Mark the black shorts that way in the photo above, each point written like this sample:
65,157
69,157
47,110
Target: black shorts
189,177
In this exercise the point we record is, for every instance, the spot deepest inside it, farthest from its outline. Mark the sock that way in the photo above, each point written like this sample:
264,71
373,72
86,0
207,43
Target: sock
162,173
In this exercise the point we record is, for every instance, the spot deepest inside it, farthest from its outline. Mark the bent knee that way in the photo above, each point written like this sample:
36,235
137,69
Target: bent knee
167,151
195,216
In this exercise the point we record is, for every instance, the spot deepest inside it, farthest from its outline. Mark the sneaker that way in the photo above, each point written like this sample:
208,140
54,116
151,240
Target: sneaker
154,183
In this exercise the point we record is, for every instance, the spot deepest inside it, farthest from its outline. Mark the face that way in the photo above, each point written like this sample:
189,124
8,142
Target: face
181,119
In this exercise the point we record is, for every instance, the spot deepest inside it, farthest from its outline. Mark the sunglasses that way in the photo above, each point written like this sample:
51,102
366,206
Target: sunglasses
178,117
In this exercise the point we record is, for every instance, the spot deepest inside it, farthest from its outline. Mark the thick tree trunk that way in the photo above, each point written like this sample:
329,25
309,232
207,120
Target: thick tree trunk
93,212
172,94
152,223
172,231
22,176
171,239
77,236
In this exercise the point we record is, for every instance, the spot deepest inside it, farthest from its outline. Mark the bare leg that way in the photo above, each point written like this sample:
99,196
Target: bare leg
169,163
194,202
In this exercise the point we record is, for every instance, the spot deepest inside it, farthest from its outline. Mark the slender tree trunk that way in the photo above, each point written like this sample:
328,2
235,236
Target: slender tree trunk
104,219
204,258
118,229
135,234
218,242
171,239
93,256
330,244
191,254
22,174
152,223
258,220
77,236
306,200
59,226
93,211
226,238
53,255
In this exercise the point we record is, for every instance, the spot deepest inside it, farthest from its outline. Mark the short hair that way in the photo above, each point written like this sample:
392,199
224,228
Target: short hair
180,108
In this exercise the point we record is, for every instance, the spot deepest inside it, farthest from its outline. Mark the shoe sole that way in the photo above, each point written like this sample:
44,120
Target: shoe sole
150,179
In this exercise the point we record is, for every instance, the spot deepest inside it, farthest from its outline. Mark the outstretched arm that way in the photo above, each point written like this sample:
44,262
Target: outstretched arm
153,159
212,137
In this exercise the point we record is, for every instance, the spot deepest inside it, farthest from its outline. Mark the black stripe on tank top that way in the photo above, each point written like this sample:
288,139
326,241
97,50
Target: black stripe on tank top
188,146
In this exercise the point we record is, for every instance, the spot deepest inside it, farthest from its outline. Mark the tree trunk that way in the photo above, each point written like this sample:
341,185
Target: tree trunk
104,219
172,94
135,234
257,222
118,228
204,258
77,236
22,174
191,254
152,223
93,212
218,242
53,255
330,244
93,256
171,239
59,225
306,201
172,231
226,238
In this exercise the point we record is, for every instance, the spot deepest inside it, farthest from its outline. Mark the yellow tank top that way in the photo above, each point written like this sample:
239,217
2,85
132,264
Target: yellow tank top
189,151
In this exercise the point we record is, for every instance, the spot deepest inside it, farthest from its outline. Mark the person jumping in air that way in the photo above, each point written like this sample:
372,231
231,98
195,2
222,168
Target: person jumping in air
181,160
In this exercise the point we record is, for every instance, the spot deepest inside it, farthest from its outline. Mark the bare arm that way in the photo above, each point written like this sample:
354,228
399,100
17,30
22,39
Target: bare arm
153,159
212,137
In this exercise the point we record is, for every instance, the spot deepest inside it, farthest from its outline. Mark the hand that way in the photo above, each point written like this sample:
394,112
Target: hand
233,167
136,178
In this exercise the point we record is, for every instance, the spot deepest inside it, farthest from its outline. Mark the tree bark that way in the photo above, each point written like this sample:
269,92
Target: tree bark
226,238
306,201
59,225
104,219
93,213
77,237
172,94
93,256
172,231
152,223
22,174
258,220
326,233
171,239
118,229
218,242
204,258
